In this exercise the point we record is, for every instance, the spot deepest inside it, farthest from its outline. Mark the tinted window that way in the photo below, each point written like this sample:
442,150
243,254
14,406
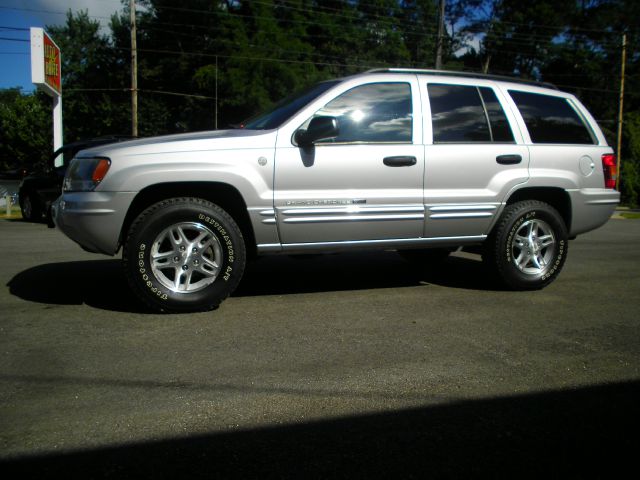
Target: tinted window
374,113
551,119
500,129
286,108
457,114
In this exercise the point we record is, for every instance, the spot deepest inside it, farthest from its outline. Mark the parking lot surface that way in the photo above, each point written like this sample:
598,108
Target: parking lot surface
350,365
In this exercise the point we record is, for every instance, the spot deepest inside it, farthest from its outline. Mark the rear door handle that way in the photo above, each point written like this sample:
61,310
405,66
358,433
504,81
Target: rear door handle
400,161
508,159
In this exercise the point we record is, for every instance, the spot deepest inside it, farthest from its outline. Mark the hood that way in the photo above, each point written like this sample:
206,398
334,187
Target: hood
186,142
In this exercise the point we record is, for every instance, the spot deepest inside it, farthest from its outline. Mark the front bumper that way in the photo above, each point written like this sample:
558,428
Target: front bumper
92,219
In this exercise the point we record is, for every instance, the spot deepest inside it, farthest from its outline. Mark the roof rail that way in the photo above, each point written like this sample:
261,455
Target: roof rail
451,73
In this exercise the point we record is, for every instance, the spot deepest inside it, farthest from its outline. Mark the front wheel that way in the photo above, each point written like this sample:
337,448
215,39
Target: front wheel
528,247
184,255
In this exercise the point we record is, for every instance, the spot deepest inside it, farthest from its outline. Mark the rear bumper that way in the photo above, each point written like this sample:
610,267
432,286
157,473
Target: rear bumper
92,219
591,208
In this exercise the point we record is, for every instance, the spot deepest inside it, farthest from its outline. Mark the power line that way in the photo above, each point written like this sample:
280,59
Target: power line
51,12
384,19
141,90
413,32
243,57
559,27
521,38
516,37
241,15
15,39
590,89
14,28
362,66
250,45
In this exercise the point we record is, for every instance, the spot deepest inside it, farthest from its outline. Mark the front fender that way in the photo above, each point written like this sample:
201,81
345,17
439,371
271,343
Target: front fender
250,172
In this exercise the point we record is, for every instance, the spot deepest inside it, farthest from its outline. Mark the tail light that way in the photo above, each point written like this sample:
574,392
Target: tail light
610,169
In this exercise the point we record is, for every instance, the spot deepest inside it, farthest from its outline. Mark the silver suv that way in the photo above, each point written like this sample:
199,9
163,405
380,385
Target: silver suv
420,161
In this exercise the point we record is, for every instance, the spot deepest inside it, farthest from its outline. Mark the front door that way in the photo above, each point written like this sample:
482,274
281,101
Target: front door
365,184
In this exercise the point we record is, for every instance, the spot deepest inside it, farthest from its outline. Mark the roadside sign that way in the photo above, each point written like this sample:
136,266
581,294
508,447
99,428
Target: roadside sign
46,71
46,74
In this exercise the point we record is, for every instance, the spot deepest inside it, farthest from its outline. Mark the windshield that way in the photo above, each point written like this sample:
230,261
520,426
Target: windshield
285,109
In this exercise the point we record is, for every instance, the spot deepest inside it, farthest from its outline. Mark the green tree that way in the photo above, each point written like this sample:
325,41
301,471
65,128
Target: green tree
94,99
630,160
26,131
516,38
419,28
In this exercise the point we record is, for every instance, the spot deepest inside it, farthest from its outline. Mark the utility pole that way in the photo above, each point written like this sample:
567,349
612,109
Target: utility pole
134,71
440,35
620,107
216,123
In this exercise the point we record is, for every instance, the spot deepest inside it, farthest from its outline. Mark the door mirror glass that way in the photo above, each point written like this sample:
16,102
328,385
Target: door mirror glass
320,128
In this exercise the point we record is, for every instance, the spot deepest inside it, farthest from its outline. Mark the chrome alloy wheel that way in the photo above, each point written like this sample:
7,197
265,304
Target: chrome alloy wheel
533,247
186,257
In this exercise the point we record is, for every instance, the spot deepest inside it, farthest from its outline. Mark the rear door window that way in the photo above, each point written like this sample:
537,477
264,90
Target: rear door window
500,128
551,119
467,114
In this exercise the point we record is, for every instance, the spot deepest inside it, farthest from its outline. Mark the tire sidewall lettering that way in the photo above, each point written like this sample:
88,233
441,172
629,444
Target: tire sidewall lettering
149,231
224,238
516,226
557,263
142,271
506,235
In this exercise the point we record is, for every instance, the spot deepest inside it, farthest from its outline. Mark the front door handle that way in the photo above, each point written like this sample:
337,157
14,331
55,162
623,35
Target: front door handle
401,161
508,159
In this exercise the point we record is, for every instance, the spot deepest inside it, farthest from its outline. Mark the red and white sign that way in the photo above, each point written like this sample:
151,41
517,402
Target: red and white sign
46,71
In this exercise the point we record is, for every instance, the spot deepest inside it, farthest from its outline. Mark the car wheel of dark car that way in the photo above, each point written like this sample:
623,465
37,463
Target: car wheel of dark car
30,209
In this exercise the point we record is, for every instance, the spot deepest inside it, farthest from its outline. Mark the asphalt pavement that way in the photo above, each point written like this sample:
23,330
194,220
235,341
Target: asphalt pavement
354,365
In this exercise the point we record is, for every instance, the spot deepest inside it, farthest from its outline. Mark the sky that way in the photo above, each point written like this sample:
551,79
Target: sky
15,51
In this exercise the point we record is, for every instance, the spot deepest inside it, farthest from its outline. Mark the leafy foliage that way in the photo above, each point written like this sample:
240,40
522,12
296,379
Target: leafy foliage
93,84
26,138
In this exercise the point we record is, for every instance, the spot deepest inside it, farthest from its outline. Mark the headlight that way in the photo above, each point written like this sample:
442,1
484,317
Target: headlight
85,174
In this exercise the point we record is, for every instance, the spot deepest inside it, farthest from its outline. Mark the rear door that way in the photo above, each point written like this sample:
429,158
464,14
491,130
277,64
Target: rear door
473,157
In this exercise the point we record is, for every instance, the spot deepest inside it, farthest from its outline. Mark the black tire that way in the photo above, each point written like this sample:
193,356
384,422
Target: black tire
170,278
30,208
425,257
528,246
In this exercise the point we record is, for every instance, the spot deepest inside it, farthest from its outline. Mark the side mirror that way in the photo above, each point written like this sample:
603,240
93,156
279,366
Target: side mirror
320,128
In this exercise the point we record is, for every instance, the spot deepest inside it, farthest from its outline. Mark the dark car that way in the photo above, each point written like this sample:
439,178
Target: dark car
39,189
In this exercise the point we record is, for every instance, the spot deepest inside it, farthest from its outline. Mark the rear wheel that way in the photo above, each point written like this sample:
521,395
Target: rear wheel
528,247
184,255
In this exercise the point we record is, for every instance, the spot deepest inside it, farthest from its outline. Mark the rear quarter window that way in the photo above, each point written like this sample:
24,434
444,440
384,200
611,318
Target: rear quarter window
551,119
